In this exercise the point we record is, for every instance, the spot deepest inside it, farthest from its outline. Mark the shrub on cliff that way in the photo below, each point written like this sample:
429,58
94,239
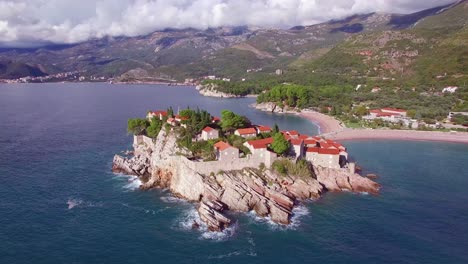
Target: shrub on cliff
137,126
301,168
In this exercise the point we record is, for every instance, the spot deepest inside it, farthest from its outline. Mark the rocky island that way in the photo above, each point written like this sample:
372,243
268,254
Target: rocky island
228,163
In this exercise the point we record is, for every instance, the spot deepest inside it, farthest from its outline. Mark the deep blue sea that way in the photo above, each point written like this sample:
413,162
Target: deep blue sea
60,203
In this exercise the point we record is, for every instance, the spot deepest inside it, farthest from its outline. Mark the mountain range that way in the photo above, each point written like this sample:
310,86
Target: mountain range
427,46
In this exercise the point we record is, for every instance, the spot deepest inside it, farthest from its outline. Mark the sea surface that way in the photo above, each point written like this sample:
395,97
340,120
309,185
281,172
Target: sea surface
60,203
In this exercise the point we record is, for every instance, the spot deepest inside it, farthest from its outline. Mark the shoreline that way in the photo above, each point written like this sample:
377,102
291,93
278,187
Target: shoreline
388,134
326,124
331,128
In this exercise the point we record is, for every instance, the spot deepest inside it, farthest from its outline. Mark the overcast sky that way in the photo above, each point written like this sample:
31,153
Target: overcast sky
71,21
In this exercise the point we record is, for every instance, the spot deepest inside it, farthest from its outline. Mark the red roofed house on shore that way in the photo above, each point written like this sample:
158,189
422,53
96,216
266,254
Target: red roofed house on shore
157,114
260,152
209,133
263,129
259,145
226,152
328,153
246,132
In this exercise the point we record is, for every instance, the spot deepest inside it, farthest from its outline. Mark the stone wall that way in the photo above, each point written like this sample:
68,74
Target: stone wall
208,167
324,160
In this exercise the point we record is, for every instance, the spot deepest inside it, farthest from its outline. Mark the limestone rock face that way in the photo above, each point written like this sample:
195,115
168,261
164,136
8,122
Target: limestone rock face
211,213
342,180
210,91
244,190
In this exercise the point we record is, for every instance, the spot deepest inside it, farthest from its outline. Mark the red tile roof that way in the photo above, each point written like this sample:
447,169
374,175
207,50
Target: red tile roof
304,136
208,129
310,142
246,131
313,149
329,151
260,143
221,145
296,141
293,133
216,119
264,128
394,109
163,113
326,145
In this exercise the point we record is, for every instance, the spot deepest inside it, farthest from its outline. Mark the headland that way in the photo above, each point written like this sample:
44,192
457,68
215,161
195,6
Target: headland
228,163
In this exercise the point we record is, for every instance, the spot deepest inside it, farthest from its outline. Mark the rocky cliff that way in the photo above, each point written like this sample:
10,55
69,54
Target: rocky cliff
263,191
210,90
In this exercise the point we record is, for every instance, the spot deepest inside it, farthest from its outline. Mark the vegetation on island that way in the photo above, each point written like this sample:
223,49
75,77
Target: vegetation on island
194,121
301,168
280,145
137,126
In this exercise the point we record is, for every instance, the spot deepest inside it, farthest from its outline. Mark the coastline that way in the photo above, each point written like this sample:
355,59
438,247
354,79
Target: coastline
412,135
333,129
326,124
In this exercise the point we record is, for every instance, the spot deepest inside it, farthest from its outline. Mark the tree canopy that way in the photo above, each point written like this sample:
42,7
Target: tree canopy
137,126
280,145
231,121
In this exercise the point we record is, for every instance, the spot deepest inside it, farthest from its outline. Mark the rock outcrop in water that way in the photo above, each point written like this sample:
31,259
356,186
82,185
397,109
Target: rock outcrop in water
263,191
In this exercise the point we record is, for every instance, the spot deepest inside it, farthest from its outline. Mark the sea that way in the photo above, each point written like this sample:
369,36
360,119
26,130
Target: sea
60,202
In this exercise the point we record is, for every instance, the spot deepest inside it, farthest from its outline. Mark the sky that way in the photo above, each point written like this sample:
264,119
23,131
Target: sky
29,22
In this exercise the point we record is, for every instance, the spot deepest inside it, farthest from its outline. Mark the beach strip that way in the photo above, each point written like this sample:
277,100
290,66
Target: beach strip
333,129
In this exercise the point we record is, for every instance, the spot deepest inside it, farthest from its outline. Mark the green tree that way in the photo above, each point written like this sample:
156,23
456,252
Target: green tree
231,121
361,110
155,126
280,145
137,126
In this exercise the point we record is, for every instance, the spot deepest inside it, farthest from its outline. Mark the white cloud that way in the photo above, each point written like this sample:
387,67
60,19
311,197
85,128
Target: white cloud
70,21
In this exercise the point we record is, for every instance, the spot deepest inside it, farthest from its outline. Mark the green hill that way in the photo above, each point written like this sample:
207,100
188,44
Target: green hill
15,70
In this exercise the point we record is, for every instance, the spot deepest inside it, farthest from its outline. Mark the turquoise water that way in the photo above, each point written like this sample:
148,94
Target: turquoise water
59,202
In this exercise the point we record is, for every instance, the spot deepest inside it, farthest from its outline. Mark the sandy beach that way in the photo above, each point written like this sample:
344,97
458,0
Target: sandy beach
333,129
366,134
326,123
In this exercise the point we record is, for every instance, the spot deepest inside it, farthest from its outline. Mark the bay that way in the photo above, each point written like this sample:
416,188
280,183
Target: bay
59,202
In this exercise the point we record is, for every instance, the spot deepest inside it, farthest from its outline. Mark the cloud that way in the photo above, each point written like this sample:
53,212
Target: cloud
71,21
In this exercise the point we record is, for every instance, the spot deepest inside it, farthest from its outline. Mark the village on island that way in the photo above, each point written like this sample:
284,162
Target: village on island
229,163
254,145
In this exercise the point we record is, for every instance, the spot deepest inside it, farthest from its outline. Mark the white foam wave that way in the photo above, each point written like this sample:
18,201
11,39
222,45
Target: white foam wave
186,221
73,202
172,199
144,210
132,182
297,213
230,254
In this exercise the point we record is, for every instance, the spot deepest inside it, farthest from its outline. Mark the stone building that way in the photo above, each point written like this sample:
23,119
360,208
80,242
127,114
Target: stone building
246,132
226,152
209,133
